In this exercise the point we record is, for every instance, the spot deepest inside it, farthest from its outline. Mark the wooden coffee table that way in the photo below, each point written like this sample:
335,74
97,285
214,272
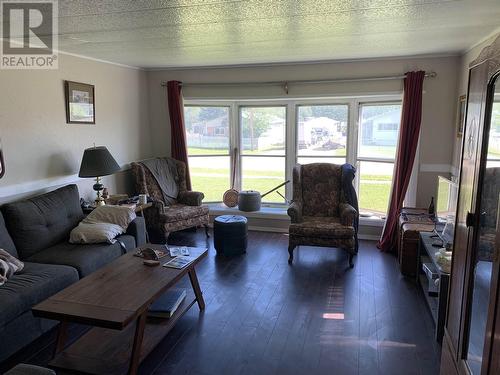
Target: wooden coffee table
110,299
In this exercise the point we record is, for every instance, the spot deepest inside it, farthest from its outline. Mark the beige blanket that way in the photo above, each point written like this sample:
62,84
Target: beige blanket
9,265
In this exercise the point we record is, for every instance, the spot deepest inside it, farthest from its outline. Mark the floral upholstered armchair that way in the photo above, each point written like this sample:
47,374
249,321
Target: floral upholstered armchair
319,213
163,218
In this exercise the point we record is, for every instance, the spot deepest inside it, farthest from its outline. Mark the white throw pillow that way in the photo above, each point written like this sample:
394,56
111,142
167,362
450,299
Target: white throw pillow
95,233
119,215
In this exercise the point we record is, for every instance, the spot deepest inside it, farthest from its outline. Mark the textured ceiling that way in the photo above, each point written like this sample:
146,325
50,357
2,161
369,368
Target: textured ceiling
181,33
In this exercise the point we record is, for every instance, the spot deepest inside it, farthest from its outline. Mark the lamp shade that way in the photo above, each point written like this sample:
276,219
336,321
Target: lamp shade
96,162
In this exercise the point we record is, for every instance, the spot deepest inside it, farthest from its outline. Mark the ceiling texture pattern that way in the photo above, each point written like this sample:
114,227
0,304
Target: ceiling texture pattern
188,33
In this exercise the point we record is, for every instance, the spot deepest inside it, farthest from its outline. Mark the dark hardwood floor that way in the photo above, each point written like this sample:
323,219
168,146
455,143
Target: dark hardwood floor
316,316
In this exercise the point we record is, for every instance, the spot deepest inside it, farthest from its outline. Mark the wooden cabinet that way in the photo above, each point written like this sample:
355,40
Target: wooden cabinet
472,332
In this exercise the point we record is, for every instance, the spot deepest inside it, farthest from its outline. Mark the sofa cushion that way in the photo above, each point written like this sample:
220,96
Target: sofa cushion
43,221
321,227
6,242
34,284
178,212
85,233
85,258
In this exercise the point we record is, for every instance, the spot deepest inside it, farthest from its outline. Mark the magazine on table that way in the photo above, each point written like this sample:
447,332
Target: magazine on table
179,262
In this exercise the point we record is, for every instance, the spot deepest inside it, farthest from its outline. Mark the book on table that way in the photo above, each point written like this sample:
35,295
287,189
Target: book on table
166,305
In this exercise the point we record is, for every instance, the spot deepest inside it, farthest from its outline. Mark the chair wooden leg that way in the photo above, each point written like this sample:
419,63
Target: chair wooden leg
290,251
206,230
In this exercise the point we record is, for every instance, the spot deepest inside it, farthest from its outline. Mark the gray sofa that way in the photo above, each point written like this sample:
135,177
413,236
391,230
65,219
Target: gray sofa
36,231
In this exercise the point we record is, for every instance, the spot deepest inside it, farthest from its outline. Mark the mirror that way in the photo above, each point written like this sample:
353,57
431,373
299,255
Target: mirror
485,254
2,163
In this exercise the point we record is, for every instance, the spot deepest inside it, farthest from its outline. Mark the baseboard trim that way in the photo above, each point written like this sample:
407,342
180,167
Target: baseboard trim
267,229
368,237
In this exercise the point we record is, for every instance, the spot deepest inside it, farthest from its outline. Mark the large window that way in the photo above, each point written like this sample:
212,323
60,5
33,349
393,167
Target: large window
271,136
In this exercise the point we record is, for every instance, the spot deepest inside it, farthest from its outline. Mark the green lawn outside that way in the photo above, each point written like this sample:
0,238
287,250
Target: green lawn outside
380,151
374,196
195,171
388,152
219,151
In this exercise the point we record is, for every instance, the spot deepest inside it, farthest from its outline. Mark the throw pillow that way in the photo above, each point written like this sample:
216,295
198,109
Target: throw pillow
9,265
95,233
119,215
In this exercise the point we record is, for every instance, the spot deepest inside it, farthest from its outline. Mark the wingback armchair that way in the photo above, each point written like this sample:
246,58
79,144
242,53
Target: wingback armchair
164,217
319,213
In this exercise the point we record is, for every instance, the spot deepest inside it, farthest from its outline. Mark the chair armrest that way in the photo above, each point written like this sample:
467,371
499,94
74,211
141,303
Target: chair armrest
347,214
295,212
190,198
137,228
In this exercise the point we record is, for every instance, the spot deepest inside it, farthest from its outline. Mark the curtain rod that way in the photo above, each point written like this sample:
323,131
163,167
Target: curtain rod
286,84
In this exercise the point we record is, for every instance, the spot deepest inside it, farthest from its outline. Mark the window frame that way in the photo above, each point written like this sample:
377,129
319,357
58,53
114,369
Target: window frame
292,105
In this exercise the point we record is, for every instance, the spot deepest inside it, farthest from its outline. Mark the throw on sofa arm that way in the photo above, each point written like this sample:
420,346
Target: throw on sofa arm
295,212
190,198
347,214
137,228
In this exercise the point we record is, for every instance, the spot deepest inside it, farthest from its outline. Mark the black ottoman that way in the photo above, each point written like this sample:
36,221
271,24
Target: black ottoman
230,234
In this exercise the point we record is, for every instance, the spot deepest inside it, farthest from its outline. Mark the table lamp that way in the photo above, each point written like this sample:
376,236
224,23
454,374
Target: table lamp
98,162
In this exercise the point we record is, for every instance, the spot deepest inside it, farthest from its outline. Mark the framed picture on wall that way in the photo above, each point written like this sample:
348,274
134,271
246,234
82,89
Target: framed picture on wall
2,163
461,116
80,103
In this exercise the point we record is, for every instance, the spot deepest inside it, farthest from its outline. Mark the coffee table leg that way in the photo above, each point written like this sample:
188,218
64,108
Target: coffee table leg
136,347
61,337
196,289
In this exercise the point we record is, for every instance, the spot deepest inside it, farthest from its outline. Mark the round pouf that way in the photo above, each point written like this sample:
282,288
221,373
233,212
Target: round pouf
249,200
230,234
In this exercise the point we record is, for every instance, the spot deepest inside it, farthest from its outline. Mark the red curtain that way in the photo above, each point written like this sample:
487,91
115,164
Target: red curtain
177,130
407,147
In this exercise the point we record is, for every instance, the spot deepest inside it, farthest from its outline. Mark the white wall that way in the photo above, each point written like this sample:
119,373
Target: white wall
438,118
41,151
